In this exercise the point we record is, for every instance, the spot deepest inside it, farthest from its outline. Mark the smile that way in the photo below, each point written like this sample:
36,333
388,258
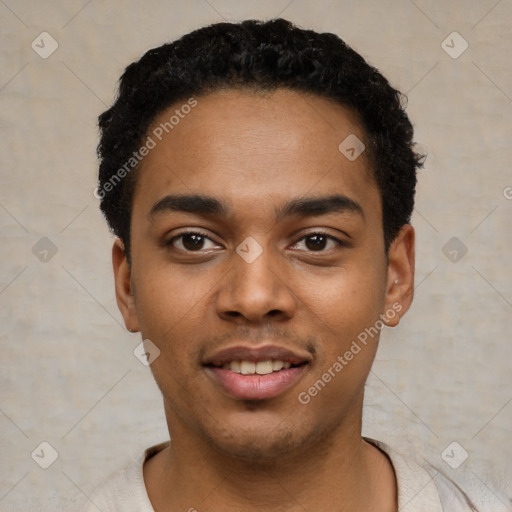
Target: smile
256,373
260,367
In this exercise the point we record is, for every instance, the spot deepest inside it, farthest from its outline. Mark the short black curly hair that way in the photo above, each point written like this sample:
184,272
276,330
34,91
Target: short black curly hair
261,55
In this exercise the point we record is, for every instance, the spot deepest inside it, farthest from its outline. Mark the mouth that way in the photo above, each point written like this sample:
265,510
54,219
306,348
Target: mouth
262,373
256,367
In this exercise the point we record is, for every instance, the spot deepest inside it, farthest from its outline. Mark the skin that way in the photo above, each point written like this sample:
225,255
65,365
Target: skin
255,152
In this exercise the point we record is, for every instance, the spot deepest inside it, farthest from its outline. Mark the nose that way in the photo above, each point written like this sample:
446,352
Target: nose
257,291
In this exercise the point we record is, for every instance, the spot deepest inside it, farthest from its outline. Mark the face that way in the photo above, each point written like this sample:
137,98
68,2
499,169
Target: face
257,246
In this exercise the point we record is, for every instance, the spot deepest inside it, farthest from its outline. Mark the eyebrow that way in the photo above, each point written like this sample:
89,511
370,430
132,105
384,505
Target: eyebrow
305,206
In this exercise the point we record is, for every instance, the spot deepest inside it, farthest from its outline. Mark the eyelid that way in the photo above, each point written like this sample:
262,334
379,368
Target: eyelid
325,231
339,242
169,242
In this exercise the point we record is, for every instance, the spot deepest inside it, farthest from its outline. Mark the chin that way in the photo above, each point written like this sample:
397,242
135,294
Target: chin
259,450
262,443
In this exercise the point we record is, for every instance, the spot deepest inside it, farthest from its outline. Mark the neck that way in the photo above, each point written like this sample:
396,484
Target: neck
340,472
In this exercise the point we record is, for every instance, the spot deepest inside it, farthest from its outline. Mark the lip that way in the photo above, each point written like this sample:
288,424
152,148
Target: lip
257,353
256,387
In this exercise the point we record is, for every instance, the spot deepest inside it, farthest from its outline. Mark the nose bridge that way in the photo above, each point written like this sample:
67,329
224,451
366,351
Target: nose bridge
255,266
255,285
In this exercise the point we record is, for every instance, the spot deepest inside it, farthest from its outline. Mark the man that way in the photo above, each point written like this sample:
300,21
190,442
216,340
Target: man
260,180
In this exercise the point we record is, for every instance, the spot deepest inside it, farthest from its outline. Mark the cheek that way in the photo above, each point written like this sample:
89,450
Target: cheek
347,300
170,305
345,315
169,308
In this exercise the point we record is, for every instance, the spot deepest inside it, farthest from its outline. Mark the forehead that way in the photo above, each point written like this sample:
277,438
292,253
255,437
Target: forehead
246,146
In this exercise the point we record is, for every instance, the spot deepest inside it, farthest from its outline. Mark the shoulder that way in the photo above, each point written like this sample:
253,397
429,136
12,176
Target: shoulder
452,496
124,491
423,488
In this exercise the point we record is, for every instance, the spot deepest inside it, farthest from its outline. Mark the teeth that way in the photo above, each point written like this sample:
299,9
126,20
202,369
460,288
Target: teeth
260,368
247,367
277,365
264,367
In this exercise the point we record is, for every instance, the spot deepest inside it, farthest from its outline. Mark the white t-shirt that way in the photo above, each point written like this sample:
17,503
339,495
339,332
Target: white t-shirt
420,489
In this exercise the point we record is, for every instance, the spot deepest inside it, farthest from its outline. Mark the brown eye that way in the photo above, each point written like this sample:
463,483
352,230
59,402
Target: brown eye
190,241
316,242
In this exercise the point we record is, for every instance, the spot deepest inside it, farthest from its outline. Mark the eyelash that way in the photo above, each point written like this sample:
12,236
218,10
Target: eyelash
339,243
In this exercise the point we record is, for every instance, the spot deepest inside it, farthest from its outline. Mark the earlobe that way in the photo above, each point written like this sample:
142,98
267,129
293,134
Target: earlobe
400,276
123,285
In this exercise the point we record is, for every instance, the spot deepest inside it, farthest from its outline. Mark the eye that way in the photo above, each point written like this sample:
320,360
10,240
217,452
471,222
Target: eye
319,242
190,241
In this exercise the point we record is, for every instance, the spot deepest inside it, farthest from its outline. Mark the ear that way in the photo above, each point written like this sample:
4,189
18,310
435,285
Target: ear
124,288
400,276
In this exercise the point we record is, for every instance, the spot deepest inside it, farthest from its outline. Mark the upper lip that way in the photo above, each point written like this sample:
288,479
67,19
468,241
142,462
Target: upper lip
256,354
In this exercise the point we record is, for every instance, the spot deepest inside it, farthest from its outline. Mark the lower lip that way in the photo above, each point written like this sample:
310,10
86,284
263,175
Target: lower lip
256,387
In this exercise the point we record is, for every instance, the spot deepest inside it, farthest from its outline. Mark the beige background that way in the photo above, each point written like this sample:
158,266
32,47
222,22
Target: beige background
67,373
